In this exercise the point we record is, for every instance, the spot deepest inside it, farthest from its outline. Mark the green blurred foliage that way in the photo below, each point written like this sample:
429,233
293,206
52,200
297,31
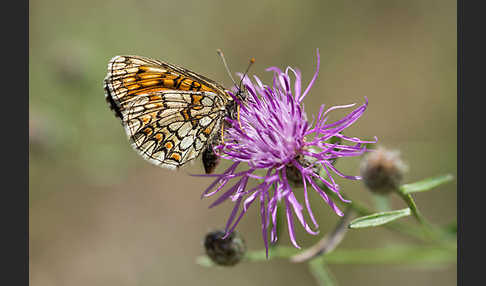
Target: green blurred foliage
100,215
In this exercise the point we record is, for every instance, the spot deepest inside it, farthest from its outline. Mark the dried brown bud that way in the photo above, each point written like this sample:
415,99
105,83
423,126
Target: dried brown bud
382,170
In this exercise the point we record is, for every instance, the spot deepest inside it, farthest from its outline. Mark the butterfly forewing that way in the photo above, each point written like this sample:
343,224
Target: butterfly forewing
170,114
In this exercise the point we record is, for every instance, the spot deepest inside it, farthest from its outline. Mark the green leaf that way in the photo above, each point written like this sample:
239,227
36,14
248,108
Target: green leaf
425,185
321,273
378,218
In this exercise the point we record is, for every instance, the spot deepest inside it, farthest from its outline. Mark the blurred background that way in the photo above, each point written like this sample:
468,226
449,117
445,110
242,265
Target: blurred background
101,215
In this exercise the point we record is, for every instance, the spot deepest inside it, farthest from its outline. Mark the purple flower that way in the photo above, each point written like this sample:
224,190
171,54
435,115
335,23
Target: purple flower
281,148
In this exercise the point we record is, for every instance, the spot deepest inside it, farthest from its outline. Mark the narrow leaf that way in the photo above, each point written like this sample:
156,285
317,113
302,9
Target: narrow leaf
378,218
425,185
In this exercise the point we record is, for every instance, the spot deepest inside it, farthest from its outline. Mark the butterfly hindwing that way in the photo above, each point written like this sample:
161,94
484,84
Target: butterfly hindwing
170,114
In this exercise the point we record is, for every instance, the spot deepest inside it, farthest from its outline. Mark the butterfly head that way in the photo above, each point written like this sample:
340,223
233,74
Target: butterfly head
239,92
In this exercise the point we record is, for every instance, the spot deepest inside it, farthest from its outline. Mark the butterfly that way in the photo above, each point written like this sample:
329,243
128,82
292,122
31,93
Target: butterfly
171,115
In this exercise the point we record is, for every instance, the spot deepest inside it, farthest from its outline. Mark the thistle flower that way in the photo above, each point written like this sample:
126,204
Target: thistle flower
279,146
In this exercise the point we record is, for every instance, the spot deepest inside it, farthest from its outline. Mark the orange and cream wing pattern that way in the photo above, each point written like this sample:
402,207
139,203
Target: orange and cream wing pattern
170,114
168,129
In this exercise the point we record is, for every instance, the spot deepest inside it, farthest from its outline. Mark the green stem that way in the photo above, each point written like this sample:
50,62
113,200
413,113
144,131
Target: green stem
321,273
413,207
381,203
430,231
398,253
329,242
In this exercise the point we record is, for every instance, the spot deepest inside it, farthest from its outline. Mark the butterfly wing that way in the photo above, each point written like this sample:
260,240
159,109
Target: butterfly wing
130,76
169,113
167,129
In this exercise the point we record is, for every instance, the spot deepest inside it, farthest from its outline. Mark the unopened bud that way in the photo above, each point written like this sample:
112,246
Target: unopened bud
225,252
382,170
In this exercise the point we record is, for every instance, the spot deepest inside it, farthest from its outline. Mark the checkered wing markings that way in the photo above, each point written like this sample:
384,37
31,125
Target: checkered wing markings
175,132
162,105
130,76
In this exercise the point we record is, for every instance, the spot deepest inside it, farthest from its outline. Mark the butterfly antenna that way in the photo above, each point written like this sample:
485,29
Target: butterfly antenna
252,61
221,55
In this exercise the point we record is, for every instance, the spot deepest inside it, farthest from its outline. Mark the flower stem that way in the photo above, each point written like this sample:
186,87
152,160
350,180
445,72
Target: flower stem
429,230
329,242
413,207
321,273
